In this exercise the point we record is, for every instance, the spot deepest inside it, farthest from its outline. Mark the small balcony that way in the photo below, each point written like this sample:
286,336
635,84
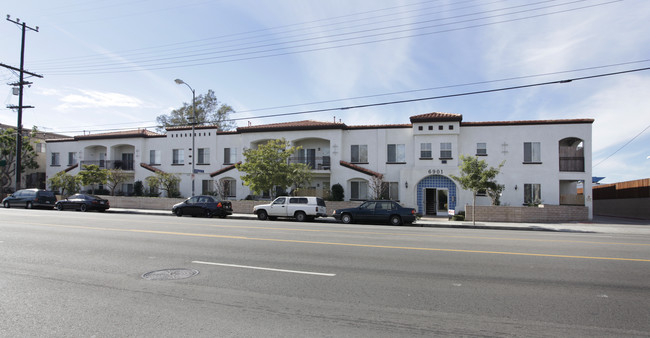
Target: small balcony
115,164
314,163
575,164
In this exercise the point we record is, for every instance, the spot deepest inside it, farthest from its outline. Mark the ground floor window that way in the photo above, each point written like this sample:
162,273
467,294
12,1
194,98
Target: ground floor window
358,190
207,187
532,193
229,188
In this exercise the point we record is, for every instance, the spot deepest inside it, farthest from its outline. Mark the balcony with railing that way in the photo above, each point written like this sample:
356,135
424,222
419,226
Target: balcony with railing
313,162
572,155
106,164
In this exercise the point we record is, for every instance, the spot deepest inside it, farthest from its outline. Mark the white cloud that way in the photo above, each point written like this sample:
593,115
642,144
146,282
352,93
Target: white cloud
97,99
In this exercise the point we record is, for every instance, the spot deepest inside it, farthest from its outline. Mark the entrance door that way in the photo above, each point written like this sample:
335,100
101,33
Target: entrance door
443,201
430,206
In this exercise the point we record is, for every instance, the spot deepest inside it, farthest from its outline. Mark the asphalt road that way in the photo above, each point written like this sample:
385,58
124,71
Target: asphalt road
81,274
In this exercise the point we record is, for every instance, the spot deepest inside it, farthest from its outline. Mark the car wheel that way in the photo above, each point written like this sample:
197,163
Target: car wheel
179,212
208,214
346,218
6,204
59,207
395,220
300,216
83,208
29,205
262,215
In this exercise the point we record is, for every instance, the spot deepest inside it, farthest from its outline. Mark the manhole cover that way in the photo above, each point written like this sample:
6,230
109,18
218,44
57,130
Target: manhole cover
169,274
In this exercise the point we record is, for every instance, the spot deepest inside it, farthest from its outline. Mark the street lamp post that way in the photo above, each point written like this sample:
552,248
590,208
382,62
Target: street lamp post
179,81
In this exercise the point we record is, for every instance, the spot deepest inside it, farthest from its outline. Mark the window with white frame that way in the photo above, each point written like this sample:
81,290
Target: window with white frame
481,149
445,150
229,187
390,191
207,187
396,153
154,157
72,158
229,155
178,156
532,193
56,158
358,190
203,156
359,153
532,152
425,150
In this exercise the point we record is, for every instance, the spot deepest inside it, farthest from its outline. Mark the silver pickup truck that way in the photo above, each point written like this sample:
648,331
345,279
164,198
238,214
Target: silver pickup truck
303,208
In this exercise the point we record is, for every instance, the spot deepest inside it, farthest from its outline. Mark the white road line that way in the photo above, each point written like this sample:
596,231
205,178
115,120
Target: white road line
267,269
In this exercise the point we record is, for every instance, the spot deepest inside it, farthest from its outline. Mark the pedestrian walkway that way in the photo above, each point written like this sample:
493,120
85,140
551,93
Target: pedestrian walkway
600,224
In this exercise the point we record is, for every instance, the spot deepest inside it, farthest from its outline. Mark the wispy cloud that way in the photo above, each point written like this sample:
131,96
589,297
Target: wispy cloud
97,99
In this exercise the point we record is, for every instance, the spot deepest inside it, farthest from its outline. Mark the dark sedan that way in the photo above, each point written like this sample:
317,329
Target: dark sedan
377,212
83,202
203,206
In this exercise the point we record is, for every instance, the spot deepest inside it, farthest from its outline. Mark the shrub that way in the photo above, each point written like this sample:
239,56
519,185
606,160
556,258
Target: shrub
337,192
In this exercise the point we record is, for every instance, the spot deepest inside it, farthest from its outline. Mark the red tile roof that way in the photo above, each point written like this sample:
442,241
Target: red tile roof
360,169
529,122
297,125
223,170
150,168
436,117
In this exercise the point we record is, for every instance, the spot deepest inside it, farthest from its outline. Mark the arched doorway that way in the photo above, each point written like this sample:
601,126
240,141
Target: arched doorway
436,195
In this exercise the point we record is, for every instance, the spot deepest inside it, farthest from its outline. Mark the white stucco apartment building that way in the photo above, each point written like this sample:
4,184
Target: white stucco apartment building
544,160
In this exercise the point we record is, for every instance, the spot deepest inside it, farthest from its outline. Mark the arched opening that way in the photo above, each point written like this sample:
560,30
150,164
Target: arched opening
436,194
572,154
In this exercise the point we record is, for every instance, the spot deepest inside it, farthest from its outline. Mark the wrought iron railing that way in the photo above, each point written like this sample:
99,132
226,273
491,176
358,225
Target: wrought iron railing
110,164
316,163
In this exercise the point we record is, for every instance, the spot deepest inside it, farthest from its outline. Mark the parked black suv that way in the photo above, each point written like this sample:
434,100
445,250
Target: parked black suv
30,198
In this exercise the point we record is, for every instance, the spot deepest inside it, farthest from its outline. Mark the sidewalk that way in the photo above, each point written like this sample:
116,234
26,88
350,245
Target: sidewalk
600,224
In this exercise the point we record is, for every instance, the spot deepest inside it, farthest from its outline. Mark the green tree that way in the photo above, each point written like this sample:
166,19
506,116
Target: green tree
8,156
115,177
209,111
91,175
65,183
165,181
337,192
476,176
268,166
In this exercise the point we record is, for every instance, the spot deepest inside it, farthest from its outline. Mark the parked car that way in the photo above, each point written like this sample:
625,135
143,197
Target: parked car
203,206
377,212
301,208
30,198
83,202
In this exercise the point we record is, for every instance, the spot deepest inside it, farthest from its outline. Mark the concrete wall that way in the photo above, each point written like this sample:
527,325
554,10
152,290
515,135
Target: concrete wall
624,207
239,207
545,214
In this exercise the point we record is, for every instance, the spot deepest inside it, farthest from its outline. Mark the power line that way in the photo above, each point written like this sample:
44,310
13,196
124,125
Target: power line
623,146
241,54
569,80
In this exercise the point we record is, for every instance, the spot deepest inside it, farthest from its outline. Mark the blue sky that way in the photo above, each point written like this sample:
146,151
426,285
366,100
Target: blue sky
110,65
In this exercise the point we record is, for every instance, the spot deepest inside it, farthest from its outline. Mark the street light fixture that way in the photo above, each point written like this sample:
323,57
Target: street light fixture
179,81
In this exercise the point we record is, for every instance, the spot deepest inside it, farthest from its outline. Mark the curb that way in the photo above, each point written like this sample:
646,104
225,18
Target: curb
427,225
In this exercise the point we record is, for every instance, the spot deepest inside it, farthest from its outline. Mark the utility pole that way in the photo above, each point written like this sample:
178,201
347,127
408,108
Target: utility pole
21,83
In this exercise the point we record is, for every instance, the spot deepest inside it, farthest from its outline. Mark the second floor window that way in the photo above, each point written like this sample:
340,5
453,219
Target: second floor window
229,155
425,150
203,156
55,159
532,152
445,150
72,158
359,153
481,149
154,157
396,153
178,156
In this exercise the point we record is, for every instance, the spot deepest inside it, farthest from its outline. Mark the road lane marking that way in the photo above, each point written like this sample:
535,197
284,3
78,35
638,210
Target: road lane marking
266,269
343,244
